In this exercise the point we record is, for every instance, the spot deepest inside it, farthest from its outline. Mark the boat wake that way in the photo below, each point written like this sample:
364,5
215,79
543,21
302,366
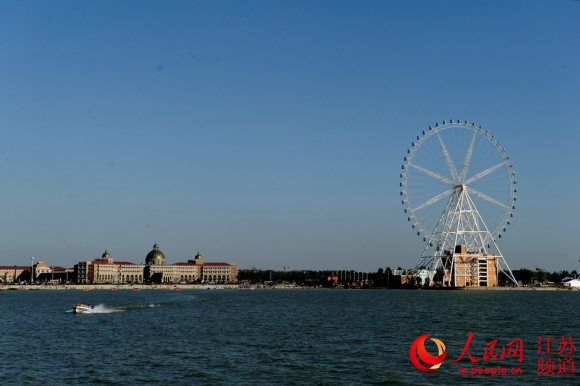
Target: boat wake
99,309
102,309
137,307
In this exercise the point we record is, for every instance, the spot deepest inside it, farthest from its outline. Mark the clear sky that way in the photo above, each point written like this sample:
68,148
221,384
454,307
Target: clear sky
271,133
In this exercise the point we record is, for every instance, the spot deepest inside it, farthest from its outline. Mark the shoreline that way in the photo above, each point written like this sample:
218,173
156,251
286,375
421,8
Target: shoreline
115,287
179,287
518,289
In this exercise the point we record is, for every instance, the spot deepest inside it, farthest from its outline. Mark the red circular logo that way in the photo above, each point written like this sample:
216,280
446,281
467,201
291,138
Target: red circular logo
418,349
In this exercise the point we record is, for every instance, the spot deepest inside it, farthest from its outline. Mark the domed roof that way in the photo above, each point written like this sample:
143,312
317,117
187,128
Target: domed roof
155,257
105,255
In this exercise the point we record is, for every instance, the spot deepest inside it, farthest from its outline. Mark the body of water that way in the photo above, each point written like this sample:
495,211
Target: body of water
278,336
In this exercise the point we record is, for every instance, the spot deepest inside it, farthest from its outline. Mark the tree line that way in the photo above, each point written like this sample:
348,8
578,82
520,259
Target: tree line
324,278
382,278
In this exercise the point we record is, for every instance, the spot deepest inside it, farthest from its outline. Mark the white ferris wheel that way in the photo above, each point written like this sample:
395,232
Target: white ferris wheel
458,188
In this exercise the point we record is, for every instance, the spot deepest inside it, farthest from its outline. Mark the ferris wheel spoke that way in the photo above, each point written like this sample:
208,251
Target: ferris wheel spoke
447,215
483,174
448,159
467,159
486,197
432,174
433,200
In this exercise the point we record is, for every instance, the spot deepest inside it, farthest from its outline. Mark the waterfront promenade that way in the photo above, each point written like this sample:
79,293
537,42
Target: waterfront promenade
113,287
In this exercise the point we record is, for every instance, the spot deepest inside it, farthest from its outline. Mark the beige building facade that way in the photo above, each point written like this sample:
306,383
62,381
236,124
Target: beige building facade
473,269
155,270
14,273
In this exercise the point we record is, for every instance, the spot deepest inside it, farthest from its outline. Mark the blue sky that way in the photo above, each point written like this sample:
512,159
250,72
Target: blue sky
272,133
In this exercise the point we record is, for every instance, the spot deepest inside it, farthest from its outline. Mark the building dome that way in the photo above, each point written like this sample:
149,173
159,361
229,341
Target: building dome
155,257
106,255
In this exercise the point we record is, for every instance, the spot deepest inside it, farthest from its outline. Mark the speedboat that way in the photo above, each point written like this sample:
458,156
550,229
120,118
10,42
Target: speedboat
81,308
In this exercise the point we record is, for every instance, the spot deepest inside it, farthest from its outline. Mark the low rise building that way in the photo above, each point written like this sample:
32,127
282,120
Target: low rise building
155,270
215,272
570,282
14,273
473,269
42,273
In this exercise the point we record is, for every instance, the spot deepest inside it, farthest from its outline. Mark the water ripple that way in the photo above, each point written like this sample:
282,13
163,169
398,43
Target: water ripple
269,337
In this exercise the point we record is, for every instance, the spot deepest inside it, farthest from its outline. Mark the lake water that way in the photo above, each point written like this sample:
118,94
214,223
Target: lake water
275,336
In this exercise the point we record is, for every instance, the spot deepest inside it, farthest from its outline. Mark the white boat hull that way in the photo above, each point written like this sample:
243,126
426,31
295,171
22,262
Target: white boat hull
82,309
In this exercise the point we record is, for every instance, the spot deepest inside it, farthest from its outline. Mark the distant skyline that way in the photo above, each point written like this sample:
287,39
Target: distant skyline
272,134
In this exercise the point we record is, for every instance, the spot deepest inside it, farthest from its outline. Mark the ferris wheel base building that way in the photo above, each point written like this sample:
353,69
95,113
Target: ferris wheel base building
471,269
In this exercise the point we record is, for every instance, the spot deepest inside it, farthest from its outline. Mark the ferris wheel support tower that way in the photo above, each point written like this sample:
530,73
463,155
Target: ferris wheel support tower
460,236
